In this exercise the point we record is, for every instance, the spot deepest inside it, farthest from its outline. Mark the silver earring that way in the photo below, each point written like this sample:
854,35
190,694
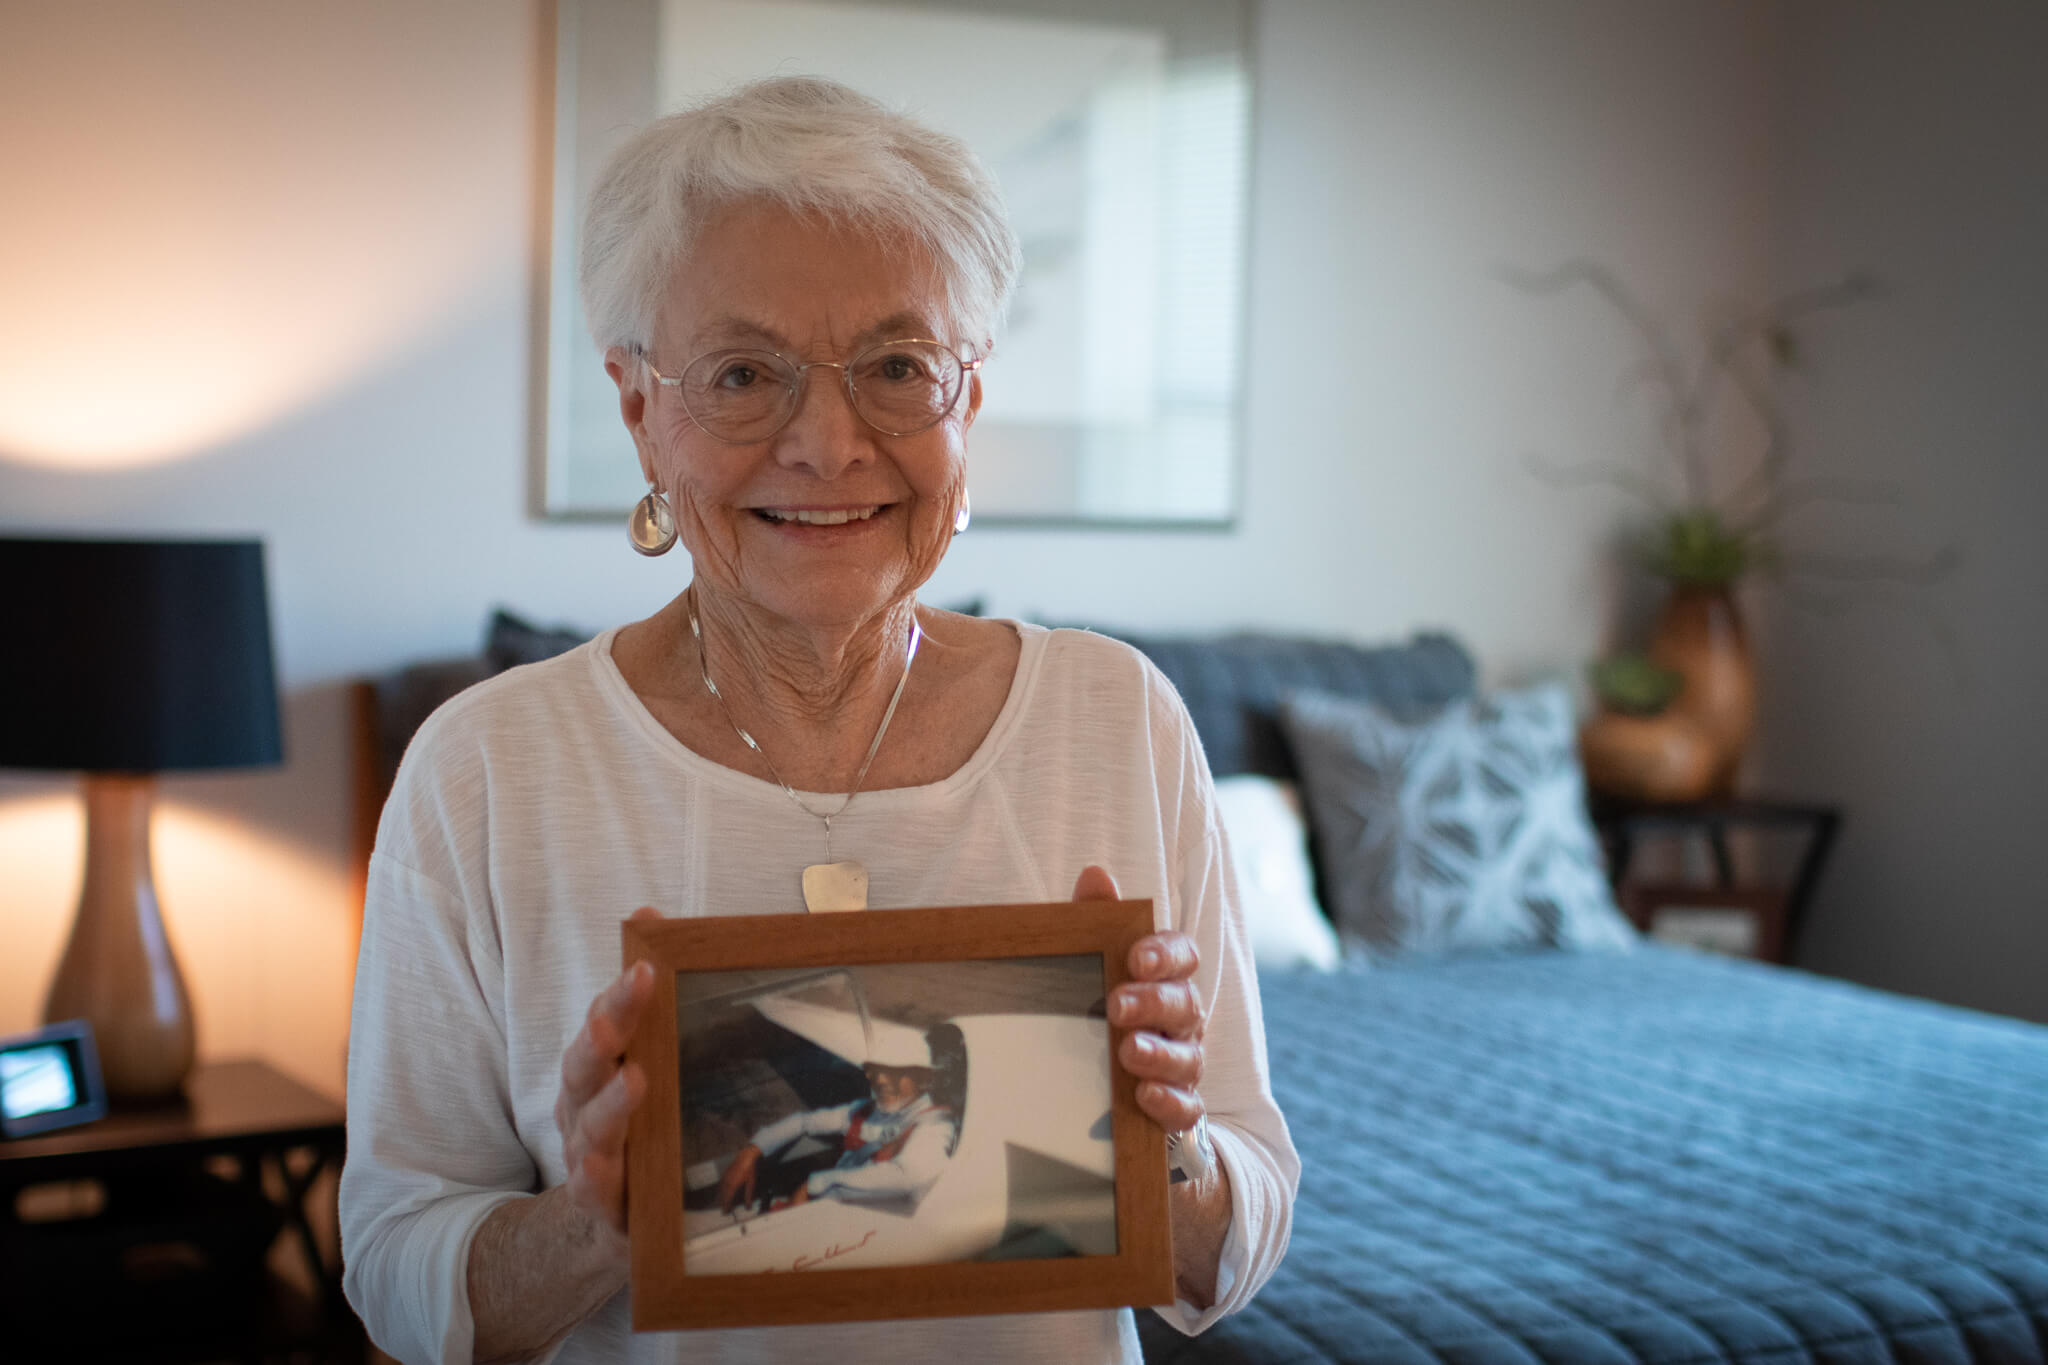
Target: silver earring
964,515
652,525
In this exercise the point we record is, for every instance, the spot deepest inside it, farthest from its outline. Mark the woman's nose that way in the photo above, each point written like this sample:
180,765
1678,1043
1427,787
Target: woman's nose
824,435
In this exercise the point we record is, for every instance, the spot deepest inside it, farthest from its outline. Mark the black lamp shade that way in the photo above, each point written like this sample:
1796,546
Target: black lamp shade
135,656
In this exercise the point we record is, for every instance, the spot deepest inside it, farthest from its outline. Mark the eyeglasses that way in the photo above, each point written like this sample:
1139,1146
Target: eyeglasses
898,387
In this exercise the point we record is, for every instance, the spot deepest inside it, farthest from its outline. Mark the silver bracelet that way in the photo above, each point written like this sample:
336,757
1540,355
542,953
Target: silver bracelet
1189,1154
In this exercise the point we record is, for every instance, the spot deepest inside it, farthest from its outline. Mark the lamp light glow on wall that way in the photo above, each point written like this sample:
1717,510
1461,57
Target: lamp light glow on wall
125,659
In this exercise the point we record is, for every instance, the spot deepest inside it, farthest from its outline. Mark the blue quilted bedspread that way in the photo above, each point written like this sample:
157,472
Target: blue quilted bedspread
1650,1156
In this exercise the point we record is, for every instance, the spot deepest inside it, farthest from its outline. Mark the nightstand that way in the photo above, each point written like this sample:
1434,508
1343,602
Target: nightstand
149,1233
1779,911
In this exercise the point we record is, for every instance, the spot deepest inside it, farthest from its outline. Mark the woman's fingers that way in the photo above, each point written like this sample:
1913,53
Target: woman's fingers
600,1090
1167,956
592,1057
1150,1057
1095,884
1171,1008
603,1120
1162,1009
594,1148
1170,1106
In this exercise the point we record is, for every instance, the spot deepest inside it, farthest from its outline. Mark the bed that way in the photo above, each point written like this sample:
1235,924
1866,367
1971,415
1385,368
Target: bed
1551,1156
1653,1156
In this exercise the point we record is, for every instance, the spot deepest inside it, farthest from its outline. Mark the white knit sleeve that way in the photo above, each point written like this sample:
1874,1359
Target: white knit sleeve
1248,1131
431,1144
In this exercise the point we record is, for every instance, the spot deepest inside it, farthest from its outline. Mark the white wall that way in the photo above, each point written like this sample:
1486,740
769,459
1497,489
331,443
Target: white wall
294,247
1915,141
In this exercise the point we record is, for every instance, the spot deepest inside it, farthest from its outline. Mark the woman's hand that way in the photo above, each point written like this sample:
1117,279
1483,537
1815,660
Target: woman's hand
600,1091
1162,1010
539,1266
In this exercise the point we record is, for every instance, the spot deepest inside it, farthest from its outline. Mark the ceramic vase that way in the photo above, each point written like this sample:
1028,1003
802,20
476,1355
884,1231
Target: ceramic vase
1699,636
1659,758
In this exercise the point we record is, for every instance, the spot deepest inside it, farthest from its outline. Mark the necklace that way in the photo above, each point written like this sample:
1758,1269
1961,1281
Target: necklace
828,885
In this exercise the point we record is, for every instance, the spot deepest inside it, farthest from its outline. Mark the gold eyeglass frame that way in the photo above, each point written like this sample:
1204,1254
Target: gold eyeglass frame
796,390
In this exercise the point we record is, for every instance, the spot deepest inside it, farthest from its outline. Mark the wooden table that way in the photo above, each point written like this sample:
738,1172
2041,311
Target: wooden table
259,1142
1782,909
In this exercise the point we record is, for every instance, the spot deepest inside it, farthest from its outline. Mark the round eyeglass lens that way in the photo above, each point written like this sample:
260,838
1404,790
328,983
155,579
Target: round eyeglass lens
903,387
740,395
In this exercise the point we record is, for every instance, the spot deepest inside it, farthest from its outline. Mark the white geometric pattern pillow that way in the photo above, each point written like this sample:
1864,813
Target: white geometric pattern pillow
1464,831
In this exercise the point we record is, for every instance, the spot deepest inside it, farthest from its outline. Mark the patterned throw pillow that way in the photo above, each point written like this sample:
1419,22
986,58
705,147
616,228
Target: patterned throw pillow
1463,831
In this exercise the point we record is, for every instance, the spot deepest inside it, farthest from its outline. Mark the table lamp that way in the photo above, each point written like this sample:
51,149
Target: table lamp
122,659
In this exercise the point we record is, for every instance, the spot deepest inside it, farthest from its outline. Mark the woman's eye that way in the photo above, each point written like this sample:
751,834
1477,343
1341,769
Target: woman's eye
737,376
900,368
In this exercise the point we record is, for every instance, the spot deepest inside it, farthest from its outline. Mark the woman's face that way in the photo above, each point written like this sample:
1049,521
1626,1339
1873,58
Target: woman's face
759,278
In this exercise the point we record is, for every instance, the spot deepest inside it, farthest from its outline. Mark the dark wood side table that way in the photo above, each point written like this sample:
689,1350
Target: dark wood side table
194,1195
1623,824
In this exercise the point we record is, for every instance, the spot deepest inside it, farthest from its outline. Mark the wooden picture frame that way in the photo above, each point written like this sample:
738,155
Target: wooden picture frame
773,1007
1710,918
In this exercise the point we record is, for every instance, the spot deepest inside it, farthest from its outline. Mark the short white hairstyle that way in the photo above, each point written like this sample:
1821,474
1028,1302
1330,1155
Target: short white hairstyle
818,148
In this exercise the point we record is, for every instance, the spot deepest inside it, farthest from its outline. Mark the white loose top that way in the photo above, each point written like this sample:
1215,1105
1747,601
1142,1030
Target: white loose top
537,810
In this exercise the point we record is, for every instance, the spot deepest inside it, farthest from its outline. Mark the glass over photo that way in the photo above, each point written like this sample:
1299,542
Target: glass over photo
895,1114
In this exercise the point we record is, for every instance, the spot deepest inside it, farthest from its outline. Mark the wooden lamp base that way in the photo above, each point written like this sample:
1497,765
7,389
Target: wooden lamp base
118,972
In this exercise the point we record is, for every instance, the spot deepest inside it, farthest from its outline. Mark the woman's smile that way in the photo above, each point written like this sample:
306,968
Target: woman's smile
819,516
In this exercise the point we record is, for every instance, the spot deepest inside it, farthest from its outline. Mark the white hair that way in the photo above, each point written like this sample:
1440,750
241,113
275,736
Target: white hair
816,147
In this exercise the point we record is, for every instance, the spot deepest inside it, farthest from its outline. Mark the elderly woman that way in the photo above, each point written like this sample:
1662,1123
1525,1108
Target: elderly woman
795,291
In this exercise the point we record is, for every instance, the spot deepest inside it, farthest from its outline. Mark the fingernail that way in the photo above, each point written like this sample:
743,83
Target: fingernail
1149,959
1145,1044
642,973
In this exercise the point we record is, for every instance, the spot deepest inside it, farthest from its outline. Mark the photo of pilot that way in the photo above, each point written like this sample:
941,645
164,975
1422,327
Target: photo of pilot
889,1147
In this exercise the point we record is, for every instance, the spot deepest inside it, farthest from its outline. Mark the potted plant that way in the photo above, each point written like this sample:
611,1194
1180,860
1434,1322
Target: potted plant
1711,525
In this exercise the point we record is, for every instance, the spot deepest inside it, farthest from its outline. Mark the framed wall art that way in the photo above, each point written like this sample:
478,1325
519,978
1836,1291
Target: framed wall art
891,1114
1121,136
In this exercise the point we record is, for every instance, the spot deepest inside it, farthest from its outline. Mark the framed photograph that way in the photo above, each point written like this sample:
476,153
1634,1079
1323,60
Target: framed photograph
1121,137
50,1079
890,1114
1736,922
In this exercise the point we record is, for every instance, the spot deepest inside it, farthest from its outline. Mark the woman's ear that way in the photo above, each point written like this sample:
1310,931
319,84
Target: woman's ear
973,397
628,371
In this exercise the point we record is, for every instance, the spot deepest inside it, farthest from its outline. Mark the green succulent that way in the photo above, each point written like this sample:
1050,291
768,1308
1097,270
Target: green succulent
1696,548
1631,684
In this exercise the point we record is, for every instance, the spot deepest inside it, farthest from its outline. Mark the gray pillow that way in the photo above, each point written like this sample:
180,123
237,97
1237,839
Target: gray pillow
1465,830
513,640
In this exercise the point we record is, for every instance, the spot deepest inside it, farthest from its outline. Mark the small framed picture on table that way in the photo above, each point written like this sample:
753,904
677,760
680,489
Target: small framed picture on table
1736,922
890,1114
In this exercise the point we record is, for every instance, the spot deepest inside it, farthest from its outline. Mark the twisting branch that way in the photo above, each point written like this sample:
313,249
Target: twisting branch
1776,456
1703,538
1839,602
1663,355
1772,325
1795,493
1595,473
1874,568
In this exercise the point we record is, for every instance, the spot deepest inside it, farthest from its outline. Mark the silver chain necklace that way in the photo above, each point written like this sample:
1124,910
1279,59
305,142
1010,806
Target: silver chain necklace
828,885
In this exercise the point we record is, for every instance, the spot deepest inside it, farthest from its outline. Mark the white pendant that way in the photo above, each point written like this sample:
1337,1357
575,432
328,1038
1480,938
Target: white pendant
830,887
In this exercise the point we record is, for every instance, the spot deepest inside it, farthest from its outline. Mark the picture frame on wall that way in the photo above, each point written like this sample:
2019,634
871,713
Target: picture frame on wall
1121,139
890,1114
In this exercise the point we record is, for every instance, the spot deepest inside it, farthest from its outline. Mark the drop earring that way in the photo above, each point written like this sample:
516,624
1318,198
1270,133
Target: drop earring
964,515
652,524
